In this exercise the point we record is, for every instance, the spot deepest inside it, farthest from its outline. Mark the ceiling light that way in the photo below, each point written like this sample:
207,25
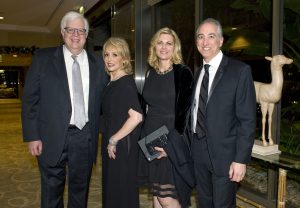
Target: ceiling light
81,10
1,18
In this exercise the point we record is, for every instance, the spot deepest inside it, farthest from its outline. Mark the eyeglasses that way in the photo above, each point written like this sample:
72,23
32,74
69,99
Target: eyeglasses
80,31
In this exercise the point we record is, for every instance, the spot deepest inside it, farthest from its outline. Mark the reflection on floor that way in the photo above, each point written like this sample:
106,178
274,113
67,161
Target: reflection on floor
19,175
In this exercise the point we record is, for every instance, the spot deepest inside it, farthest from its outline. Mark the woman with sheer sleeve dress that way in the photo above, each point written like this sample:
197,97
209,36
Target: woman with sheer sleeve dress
121,116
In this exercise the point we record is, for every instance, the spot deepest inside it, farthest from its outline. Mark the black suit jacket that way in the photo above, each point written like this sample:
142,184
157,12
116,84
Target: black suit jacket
46,103
230,115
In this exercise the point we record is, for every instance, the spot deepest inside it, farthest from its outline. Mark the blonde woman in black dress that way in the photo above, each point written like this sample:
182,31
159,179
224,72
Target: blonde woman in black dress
167,93
121,116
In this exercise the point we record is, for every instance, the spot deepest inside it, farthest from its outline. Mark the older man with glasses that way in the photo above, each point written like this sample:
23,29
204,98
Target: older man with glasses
60,114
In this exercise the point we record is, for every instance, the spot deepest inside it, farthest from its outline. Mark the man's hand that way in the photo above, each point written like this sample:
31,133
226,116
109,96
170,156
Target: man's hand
237,171
35,147
162,152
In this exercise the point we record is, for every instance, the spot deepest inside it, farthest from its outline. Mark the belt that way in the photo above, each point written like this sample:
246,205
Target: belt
198,136
71,126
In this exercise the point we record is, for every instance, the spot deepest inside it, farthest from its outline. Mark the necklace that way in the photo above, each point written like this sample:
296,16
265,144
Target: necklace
164,72
118,77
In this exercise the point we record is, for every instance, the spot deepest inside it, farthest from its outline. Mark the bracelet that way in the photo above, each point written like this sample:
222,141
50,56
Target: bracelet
113,142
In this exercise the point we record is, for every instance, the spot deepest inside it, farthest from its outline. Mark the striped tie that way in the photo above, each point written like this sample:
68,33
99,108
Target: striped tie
200,127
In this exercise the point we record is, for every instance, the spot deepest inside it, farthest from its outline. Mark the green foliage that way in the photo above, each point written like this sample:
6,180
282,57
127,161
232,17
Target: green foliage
258,7
259,39
293,5
290,130
291,33
245,5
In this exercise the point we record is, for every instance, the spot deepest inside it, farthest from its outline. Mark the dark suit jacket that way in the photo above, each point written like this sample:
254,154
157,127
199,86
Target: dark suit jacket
230,115
46,103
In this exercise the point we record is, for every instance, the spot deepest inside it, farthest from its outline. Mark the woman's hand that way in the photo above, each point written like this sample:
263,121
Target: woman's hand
134,118
111,148
162,152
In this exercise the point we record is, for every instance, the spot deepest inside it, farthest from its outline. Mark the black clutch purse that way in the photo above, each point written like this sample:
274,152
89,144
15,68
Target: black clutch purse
158,138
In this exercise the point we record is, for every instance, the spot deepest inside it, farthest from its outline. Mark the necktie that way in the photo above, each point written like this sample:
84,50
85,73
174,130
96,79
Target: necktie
200,128
78,100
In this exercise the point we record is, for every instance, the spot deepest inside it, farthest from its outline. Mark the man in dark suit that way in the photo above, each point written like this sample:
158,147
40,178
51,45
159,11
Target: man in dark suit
60,114
223,120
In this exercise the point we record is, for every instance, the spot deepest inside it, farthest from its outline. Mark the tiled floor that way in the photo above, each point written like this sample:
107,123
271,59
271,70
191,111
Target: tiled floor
19,175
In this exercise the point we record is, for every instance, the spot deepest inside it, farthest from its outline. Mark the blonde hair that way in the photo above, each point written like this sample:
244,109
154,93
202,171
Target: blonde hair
122,49
176,57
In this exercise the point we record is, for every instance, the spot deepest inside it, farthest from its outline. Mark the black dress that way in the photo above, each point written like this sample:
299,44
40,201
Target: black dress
119,175
159,95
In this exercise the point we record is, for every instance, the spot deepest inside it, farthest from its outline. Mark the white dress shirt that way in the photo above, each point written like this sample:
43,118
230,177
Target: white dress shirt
214,65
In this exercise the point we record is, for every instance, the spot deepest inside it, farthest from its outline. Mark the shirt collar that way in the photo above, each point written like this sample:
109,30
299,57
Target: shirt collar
69,54
215,62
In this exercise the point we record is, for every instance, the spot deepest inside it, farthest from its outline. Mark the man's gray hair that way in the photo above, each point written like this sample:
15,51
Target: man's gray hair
213,21
72,16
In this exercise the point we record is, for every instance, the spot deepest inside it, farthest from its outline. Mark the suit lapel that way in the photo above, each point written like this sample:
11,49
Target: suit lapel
218,76
196,78
60,66
92,90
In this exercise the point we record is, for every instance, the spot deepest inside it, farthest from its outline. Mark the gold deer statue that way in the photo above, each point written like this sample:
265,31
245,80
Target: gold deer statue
269,94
